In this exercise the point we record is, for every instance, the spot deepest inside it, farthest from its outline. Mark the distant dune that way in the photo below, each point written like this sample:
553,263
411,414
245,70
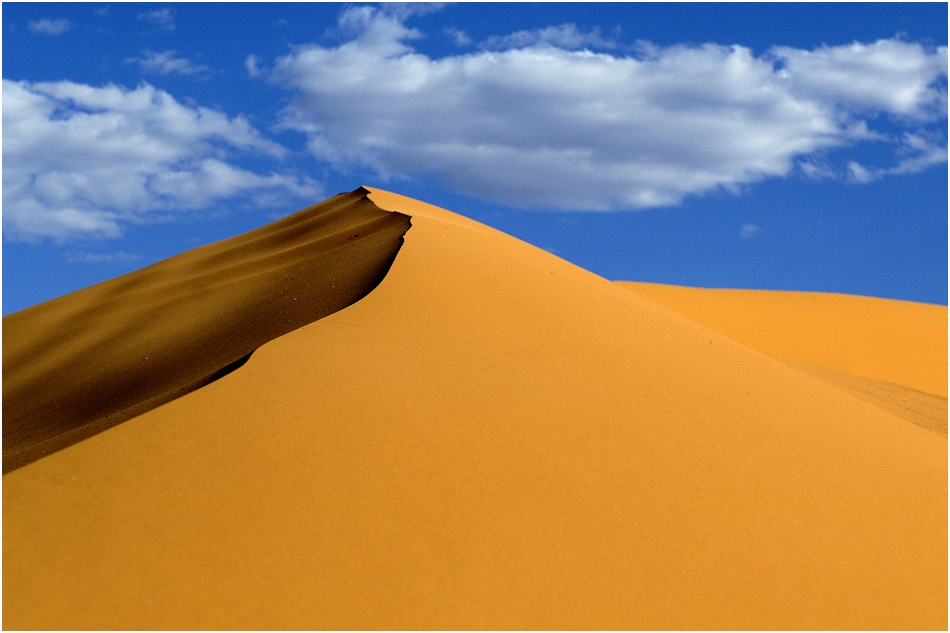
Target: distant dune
900,342
890,353
491,438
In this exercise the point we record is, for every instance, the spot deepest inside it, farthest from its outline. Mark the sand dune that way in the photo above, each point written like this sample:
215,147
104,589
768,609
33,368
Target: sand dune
885,340
86,361
892,354
492,438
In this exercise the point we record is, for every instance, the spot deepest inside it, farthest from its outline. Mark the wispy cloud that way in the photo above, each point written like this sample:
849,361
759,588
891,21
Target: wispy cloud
50,27
122,156
168,63
816,169
102,258
162,18
749,231
566,36
542,122
251,64
917,152
460,37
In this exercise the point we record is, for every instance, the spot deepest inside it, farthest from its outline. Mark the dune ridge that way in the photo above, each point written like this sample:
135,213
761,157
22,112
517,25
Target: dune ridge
81,363
493,438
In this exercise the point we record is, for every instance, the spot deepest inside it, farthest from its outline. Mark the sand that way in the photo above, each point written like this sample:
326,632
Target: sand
491,438
899,342
890,353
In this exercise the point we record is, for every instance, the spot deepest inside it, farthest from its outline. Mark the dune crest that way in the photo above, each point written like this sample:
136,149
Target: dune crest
84,362
493,438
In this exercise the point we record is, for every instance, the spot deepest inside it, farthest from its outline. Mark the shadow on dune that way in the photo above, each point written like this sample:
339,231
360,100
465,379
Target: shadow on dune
84,362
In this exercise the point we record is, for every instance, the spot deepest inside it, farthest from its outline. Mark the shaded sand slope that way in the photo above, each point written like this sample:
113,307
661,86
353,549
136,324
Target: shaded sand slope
886,340
93,358
492,438
923,409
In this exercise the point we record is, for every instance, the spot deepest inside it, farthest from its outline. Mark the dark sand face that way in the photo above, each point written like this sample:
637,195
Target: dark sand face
86,361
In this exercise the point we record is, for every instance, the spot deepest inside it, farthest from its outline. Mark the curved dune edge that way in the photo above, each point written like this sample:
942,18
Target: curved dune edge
492,439
79,364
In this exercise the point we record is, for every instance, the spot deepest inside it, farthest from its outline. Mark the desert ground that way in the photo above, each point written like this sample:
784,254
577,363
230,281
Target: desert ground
378,414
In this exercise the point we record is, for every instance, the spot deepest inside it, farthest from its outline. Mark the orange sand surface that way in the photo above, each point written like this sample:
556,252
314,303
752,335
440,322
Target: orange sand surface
899,342
892,354
492,438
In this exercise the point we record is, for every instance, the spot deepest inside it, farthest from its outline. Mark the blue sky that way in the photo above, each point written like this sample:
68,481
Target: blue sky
780,146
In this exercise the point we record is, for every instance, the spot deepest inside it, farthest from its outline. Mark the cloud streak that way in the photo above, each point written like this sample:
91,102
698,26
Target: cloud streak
748,231
162,18
546,123
102,258
85,161
566,36
168,63
50,27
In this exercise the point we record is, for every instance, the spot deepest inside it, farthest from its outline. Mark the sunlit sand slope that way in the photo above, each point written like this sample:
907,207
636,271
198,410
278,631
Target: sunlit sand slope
492,438
899,342
892,354
88,360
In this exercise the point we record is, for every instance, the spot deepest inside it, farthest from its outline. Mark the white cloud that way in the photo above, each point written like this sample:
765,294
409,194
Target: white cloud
84,161
167,63
162,18
50,27
888,76
544,125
